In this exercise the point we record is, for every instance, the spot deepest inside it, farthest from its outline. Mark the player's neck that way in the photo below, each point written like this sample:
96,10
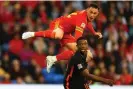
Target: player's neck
83,53
88,21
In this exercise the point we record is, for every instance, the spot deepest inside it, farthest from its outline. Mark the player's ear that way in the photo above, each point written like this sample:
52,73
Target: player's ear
98,11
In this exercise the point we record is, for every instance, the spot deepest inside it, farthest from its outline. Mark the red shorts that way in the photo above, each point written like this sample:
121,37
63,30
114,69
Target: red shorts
67,37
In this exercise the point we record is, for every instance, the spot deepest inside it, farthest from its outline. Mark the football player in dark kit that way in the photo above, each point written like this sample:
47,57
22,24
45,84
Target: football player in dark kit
77,74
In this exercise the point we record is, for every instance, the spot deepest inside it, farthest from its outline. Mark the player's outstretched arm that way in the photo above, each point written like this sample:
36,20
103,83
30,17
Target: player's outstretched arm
89,76
90,27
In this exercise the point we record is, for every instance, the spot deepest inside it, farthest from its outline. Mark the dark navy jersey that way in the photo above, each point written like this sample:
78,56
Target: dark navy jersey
73,78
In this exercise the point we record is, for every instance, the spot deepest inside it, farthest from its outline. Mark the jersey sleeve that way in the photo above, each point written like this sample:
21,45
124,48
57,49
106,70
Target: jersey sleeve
80,24
78,32
81,67
90,27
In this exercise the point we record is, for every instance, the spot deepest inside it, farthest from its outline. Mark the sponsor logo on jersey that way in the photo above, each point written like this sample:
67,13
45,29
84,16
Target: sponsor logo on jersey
80,66
83,25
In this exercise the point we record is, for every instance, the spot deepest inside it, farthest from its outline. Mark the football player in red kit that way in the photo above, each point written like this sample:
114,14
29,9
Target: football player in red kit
62,29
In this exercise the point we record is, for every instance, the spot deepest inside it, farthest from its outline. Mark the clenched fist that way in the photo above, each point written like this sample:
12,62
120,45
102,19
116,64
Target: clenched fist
99,35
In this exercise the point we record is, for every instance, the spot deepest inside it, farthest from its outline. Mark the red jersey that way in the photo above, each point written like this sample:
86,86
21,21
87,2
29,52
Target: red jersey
75,21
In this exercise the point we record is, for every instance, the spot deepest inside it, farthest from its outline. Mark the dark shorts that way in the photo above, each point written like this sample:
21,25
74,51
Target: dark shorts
69,86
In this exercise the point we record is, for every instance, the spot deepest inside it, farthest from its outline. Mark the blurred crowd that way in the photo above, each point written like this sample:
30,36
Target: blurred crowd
23,61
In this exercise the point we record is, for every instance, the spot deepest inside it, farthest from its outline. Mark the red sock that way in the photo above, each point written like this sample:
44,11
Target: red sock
66,55
47,33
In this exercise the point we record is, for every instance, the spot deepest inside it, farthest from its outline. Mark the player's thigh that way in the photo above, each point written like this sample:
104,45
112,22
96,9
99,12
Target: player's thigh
64,48
69,42
57,30
71,46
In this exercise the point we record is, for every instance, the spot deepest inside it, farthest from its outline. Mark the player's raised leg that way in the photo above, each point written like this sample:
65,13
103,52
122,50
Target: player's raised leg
55,34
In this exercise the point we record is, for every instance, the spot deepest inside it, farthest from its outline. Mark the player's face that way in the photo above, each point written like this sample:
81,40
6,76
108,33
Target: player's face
83,45
92,13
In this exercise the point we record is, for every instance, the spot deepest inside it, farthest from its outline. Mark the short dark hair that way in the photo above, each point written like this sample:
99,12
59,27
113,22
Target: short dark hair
81,38
94,6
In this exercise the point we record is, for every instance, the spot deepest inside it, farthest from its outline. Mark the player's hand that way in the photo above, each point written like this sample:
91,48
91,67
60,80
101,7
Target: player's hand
109,82
99,35
27,35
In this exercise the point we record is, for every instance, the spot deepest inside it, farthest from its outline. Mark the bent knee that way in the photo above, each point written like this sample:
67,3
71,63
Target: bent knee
58,33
